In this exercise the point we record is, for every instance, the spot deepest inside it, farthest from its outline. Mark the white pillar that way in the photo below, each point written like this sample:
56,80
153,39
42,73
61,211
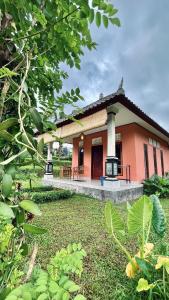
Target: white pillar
49,154
111,135
49,166
111,160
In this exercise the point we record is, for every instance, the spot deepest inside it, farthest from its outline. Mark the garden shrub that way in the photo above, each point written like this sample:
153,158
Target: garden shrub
43,188
157,185
51,196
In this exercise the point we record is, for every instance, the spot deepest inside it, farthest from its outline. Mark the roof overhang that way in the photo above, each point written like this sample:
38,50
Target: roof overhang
94,118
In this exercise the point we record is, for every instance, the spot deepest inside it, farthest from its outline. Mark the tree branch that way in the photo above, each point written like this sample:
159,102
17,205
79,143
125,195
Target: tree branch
31,263
41,31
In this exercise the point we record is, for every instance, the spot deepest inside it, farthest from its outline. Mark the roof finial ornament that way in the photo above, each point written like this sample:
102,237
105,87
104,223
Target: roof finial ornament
120,88
101,96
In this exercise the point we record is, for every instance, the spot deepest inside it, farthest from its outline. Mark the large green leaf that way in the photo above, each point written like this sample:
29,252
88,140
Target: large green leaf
144,266
11,171
112,218
6,135
31,207
158,217
36,118
33,229
139,215
8,123
7,185
7,161
41,146
6,211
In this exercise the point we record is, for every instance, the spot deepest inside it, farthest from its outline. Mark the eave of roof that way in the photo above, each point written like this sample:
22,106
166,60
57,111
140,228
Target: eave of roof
100,104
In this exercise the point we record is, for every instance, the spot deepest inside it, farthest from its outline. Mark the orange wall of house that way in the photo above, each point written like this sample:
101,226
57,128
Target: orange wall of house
142,137
128,149
133,139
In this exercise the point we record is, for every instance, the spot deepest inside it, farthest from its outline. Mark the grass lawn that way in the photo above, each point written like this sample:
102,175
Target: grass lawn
80,219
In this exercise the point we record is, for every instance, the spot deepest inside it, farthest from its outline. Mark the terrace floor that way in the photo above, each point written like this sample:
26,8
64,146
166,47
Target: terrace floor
118,191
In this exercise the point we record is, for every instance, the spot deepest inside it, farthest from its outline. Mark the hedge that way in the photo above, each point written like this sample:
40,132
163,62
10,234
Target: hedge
43,188
51,196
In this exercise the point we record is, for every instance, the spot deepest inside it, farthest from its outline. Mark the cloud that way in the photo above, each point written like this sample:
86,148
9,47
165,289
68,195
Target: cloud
138,51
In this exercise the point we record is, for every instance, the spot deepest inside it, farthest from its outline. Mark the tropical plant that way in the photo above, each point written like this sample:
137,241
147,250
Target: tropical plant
148,270
157,185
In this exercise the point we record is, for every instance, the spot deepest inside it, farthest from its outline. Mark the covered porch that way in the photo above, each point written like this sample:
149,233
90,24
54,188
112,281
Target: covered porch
120,192
100,146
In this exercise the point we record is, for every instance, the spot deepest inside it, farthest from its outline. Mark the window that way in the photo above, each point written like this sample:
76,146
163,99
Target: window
155,160
146,162
81,157
162,162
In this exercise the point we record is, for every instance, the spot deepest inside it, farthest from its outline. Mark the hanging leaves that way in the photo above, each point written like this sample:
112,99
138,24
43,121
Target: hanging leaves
33,229
31,207
105,21
6,185
36,118
6,211
98,19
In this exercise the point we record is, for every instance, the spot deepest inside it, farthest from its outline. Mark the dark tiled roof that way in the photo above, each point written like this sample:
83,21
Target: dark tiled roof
102,103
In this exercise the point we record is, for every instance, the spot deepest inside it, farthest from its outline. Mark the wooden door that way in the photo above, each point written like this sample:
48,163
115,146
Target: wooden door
97,161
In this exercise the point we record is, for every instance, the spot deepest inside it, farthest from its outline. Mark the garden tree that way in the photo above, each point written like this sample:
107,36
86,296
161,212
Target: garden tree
36,37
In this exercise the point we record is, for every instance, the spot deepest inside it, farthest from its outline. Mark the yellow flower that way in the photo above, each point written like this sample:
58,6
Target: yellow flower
132,268
163,261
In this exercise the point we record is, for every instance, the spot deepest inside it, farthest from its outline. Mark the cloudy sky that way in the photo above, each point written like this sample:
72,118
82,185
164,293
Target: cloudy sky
138,52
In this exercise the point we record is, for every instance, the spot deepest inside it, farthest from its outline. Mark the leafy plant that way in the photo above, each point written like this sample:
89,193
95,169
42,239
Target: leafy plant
37,38
157,185
149,269
55,282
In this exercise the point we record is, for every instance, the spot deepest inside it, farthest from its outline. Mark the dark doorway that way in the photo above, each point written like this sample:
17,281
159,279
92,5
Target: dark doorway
146,162
119,156
162,162
97,161
81,157
155,160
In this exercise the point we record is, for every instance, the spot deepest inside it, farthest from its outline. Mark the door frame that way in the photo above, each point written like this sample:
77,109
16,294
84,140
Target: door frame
95,146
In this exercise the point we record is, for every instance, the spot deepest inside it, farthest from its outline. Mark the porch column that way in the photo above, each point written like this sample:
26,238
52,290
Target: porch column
111,168
49,165
49,153
111,135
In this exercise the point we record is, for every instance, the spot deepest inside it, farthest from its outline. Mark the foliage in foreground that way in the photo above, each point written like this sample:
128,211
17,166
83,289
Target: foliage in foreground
157,185
56,282
149,270
36,38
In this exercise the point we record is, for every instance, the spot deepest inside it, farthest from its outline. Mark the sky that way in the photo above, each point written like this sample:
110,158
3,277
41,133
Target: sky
138,51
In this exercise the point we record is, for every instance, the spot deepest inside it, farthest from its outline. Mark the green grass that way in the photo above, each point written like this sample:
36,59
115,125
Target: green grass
80,219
